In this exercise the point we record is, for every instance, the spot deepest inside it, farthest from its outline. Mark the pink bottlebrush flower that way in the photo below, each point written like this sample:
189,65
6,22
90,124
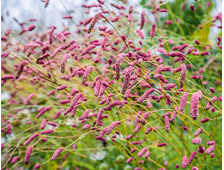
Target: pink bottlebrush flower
168,22
177,166
84,115
184,162
126,79
189,50
129,17
175,47
204,120
194,105
167,123
2,146
52,124
192,8
87,21
42,112
75,100
111,127
161,50
176,54
183,101
102,133
165,163
169,69
183,47
61,36
14,159
183,73
140,33
212,155
197,42
141,54
210,142
30,139
20,71
212,89
86,74
52,92
28,98
127,94
210,149
115,103
152,33
201,149
173,116
147,154
47,131
37,166
56,153
197,140
142,152
104,85
4,55
27,155
129,137
88,49
97,88
198,132
130,9
68,110
133,150
163,10
205,53
68,17
194,168
93,22
191,157
103,101
213,109
99,117
142,23
87,126
171,42
161,144
137,128
115,19
64,101
129,160
31,27
103,28
104,41
142,98
157,76
169,86
63,62
195,53
117,65
43,123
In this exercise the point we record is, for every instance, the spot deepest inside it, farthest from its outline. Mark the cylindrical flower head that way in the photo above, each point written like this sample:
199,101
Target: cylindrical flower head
194,105
192,8
14,159
21,67
147,154
167,123
47,131
37,166
88,49
183,101
194,168
152,33
97,88
117,65
86,74
31,27
204,120
212,89
198,132
133,150
61,87
173,116
43,123
183,74
127,93
184,162
142,152
30,139
129,160
210,142
112,104
176,54
137,128
111,127
126,79
191,157
161,144
99,117
27,155
142,98
142,23
28,98
75,100
129,137
63,62
93,22
210,149
87,126
201,149
197,140
84,115
169,69
56,153
140,33
161,50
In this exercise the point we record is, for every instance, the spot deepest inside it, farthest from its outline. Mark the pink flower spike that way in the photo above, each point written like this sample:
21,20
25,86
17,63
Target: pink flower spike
28,154
30,28
56,153
196,140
